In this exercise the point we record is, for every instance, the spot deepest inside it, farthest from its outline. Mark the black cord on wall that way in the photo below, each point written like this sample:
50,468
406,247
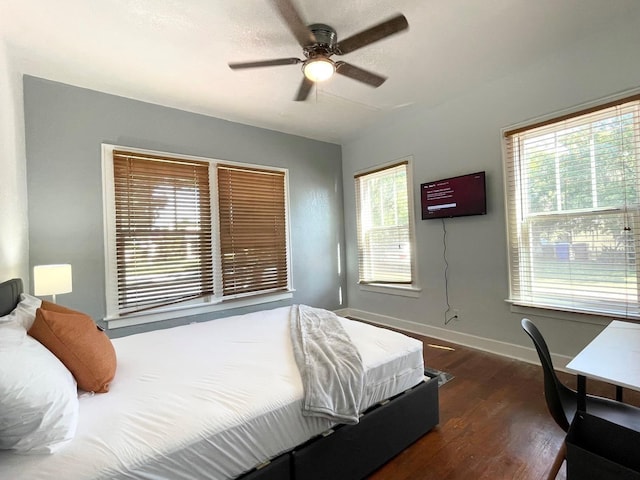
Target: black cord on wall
447,313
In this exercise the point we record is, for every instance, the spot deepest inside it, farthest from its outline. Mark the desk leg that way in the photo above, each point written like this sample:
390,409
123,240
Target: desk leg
582,393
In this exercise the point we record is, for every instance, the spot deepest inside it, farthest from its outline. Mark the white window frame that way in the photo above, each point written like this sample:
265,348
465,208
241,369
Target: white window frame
528,303
212,303
413,289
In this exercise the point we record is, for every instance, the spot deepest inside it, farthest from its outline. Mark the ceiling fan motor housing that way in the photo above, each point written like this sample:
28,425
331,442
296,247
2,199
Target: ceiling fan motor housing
325,40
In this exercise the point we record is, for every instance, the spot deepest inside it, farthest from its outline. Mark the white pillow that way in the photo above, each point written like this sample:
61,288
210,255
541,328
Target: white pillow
38,395
26,309
11,331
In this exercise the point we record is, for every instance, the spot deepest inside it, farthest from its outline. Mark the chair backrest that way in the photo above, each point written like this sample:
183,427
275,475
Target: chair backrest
554,390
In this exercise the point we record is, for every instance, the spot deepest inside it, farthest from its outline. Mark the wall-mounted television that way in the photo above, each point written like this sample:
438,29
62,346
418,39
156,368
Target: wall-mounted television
454,197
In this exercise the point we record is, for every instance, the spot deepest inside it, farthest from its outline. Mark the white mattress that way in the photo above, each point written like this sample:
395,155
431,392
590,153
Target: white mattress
209,400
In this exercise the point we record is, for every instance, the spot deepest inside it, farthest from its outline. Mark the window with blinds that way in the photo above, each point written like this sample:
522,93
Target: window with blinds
384,227
572,205
253,244
163,230
191,231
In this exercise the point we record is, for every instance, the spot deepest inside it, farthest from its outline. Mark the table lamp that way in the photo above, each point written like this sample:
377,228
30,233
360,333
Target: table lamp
51,280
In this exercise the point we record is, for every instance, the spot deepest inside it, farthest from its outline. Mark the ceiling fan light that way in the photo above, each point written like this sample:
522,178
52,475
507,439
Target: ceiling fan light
319,69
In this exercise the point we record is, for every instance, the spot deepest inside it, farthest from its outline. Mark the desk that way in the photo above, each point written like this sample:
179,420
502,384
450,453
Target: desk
613,357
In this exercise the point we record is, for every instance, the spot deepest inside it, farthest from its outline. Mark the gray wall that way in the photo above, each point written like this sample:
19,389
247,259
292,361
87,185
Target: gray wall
463,135
13,183
64,128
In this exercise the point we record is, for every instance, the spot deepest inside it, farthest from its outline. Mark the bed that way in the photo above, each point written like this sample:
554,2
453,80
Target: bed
222,399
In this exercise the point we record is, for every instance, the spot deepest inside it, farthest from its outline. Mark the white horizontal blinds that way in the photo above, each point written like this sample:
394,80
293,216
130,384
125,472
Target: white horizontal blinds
573,197
163,230
382,210
253,240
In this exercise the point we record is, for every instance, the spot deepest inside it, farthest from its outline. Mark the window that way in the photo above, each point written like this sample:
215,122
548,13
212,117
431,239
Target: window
572,204
191,231
253,236
163,230
385,226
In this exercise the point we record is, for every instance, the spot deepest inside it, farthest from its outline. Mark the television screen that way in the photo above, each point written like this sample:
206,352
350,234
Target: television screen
454,197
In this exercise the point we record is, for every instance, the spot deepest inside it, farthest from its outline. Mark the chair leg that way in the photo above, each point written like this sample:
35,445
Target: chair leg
557,463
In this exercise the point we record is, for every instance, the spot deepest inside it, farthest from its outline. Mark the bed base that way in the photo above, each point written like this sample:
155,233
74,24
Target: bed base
353,451
278,468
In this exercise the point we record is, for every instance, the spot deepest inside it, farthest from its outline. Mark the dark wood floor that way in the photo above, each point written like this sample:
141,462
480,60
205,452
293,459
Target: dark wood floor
493,421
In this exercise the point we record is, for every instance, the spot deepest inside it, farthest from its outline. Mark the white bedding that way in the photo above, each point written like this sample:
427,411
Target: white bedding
209,400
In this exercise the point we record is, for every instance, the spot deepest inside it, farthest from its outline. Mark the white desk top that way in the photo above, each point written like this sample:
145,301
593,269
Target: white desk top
613,356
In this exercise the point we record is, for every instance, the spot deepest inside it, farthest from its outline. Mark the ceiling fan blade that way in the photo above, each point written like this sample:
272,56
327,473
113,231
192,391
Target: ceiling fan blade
293,20
359,74
265,63
373,34
303,91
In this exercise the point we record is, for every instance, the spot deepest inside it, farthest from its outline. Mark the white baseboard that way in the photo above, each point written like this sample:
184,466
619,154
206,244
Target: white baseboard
505,349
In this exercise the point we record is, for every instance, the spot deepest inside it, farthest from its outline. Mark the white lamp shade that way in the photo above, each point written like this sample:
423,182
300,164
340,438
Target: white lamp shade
318,69
51,279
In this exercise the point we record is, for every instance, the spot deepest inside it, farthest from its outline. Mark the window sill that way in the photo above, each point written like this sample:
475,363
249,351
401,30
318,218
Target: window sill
141,318
403,291
560,314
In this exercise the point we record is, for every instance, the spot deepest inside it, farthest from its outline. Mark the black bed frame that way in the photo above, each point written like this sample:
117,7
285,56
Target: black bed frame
351,452
347,452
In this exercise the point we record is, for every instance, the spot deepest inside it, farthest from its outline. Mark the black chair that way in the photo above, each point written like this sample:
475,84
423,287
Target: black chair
562,401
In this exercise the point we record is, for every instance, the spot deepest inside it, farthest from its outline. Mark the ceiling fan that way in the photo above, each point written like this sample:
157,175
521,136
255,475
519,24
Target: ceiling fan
319,42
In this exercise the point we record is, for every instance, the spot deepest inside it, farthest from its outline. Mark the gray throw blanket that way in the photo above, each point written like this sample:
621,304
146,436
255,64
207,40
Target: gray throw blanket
330,365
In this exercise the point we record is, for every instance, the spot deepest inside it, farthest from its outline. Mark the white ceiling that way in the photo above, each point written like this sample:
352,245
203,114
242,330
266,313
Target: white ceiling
175,52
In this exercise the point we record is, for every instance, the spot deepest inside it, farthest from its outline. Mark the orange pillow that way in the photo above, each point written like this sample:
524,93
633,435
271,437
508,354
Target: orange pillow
78,343
54,307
